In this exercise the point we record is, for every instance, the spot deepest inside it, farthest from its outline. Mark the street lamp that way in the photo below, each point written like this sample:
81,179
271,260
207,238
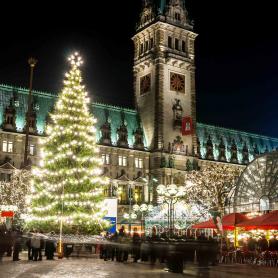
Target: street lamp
170,195
32,63
143,208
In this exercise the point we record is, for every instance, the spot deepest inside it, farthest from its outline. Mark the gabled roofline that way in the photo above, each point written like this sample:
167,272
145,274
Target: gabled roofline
235,131
54,95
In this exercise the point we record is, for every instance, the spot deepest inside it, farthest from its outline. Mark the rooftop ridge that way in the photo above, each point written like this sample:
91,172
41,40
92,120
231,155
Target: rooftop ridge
37,92
239,131
25,90
114,107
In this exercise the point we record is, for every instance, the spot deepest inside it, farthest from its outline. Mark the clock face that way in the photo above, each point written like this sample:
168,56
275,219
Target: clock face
177,82
145,84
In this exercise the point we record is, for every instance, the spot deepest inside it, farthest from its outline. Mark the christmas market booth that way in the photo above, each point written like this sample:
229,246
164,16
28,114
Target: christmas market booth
229,222
268,221
7,213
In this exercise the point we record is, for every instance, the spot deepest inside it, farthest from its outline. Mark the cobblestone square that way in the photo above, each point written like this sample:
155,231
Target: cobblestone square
93,267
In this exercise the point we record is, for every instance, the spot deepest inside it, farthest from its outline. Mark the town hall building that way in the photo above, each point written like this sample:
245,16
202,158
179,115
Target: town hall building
158,140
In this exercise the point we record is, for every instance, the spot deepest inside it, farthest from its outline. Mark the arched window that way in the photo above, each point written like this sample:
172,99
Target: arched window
264,203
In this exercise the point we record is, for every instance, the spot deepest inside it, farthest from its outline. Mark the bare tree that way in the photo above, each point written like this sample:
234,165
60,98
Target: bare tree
209,187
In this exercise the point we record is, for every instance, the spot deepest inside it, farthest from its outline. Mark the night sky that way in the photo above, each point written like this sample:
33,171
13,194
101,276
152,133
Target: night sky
236,54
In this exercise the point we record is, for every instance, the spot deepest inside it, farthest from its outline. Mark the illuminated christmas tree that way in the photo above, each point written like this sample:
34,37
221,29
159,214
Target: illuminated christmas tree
67,189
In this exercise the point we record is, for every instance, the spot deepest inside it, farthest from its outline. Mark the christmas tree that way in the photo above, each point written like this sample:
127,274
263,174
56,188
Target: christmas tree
67,189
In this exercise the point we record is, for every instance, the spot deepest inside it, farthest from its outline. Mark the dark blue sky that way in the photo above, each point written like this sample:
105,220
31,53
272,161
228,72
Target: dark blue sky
236,55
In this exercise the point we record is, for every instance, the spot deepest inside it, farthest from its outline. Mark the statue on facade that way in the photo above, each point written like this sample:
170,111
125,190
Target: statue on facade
122,133
245,154
171,163
198,154
10,117
177,113
163,162
178,146
32,120
256,151
222,151
106,130
234,157
209,149
138,136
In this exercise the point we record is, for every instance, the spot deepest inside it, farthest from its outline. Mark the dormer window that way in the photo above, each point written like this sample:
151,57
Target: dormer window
10,119
177,16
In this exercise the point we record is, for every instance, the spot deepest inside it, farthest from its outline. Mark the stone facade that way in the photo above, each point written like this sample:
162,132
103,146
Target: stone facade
144,147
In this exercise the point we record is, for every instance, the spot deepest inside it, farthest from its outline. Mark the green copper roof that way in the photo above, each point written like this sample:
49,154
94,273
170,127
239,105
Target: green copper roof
263,143
44,102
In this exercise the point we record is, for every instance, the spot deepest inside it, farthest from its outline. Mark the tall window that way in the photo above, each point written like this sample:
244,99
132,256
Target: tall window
122,160
105,159
138,163
141,48
122,194
183,46
5,177
138,194
170,42
176,44
32,149
7,146
151,43
264,203
177,16
146,45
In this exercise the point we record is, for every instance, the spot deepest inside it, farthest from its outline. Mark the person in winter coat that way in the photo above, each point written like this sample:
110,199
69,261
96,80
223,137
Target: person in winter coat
17,245
35,245
50,248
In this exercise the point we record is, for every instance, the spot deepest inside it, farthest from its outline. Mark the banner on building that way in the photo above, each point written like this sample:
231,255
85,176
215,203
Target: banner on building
7,214
111,208
187,126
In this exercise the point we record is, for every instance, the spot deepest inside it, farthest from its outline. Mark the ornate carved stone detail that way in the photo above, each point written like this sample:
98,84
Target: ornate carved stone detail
177,114
176,12
106,130
122,133
198,153
32,120
171,162
245,154
209,149
255,150
163,162
159,115
10,117
222,151
177,146
139,136
234,157
147,14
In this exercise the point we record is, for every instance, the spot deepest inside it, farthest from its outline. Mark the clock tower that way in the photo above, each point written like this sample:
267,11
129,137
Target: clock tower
164,76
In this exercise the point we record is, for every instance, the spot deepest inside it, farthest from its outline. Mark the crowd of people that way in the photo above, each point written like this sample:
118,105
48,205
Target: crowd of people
154,248
12,242
262,244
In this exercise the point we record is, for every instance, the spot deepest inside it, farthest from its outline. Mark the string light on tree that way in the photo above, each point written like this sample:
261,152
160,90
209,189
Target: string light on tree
209,187
67,187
